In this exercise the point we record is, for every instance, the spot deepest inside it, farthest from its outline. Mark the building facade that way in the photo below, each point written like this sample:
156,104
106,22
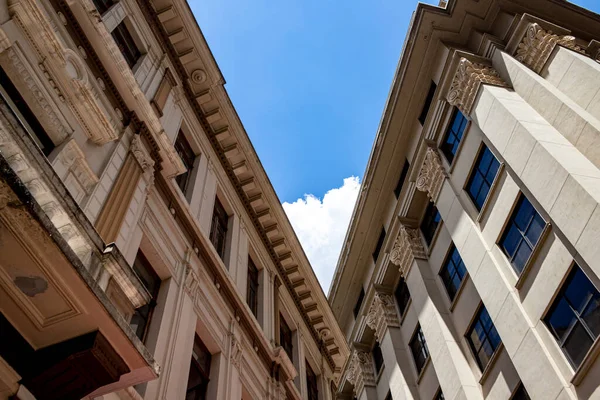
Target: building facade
143,251
471,268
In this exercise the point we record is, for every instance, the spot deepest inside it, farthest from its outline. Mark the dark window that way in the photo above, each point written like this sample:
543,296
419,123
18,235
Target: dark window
520,393
427,104
24,114
453,272
103,5
388,396
359,301
482,177
402,296
218,229
311,383
379,244
439,395
454,135
252,295
430,222
151,281
402,178
522,234
199,372
126,44
418,346
285,337
483,338
574,318
377,358
185,152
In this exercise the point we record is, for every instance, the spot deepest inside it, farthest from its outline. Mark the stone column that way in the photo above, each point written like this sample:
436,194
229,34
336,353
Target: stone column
361,375
454,374
383,319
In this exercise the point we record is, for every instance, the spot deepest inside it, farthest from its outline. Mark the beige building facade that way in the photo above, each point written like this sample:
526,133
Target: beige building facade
471,267
143,251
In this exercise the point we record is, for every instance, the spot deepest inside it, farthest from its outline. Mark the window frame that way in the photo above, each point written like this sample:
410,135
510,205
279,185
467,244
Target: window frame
402,179
143,269
403,292
439,395
426,216
188,157
378,361
252,287
475,352
359,302
127,45
103,5
379,245
220,221
166,85
419,336
428,102
195,363
475,171
284,331
516,390
449,129
447,260
312,383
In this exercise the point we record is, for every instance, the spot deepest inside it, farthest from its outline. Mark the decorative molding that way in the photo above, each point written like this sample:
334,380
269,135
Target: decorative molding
4,41
466,83
407,247
432,175
235,351
143,159
382,314
74,160
360,371
537,46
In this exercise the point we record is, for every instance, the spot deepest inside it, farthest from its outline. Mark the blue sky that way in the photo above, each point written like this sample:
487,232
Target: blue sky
309,79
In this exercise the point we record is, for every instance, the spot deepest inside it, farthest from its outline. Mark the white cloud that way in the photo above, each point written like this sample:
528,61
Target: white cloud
321,226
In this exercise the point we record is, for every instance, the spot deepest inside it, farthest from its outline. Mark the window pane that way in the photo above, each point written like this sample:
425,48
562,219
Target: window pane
535,229
521,394
579,290
577,344
511,241
521,256
591,316
524,213
491,174
483,193
561,318
484,354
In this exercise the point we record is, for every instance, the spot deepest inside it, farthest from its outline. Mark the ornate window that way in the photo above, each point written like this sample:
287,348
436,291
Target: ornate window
151,281
218,229
520,393
199,372
379,244
402,178
419,350
427,103
522,234
285,337
483,338
359,301
482,177
574,317
311,383
377,358
103,5
439,395
431,221
185,152
252,287
454,135
402,295
453,272
126,44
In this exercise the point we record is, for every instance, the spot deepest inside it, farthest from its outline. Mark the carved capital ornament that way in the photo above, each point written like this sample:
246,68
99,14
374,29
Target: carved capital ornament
407,247
432,175
360,371
382,314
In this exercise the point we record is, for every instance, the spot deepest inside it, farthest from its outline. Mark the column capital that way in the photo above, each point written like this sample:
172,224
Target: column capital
360,371
467,80
537,46
382,314
407,247
432,174
143,159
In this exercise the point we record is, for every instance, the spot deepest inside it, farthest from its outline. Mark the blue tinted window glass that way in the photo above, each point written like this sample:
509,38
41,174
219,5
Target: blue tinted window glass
454,135
483,338
482,177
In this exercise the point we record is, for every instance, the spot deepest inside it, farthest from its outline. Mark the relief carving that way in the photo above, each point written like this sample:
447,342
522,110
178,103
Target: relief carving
407,247
74,160
432,175
382,314
360,371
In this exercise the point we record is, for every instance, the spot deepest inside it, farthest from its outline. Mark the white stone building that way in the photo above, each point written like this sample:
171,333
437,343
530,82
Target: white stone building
143,251
471,268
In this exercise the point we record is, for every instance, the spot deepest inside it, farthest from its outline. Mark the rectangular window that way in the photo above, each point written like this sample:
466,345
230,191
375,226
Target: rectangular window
199,372
402,178
162,93
431,221
218,229
402,296
454,135
103,5
483,338
252,292
311,383
126,44
151,281
482,177
453,272
359,301
520,393
439,395
285,337
522,234
427,104
379,244
419,350
574,317
377,358
185,152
